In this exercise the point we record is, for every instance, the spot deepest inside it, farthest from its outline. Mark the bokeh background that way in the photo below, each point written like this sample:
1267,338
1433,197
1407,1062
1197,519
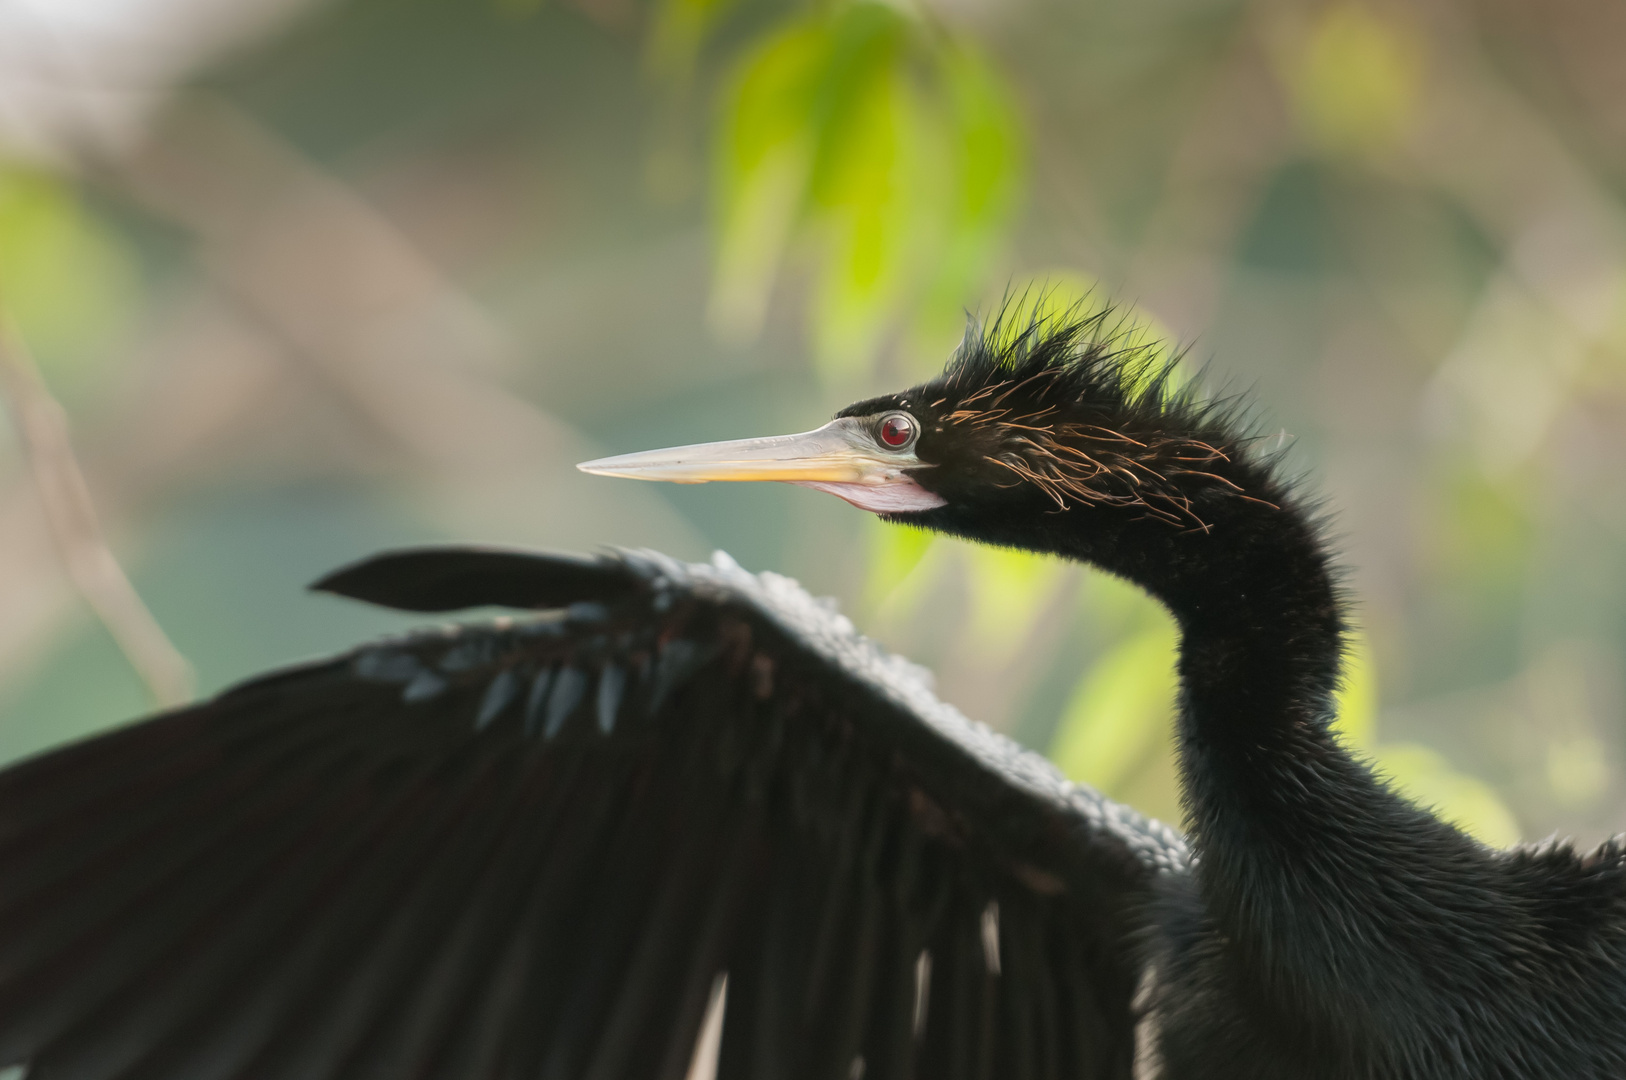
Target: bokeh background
311,279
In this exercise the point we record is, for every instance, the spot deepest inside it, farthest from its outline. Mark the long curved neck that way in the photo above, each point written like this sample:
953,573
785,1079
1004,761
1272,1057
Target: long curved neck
1280,816
1299,847
1252,590
1262,630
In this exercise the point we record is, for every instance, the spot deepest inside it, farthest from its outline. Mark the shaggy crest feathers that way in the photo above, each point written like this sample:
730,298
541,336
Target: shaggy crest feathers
1091,409
1087,353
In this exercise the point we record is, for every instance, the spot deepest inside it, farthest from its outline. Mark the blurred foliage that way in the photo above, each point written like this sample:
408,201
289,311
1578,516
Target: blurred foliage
891,147
1119,718
1421,773
67,281
1354,75
678,30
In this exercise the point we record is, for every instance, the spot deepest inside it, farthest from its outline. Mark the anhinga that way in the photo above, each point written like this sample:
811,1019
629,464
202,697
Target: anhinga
535,847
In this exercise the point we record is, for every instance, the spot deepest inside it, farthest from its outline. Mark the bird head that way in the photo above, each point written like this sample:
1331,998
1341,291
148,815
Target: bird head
1059,414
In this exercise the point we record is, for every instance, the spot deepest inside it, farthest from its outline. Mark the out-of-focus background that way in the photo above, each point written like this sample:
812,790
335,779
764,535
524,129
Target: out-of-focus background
311,279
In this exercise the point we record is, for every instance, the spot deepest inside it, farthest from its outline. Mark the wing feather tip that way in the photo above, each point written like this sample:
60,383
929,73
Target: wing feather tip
440,578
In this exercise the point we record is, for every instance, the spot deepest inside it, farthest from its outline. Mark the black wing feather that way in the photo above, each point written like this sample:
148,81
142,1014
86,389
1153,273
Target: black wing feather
528,848
454,579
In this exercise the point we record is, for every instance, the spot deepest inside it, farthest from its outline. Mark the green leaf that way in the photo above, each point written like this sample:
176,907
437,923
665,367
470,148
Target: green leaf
895,552
1419,773
985,165
1118,710
1355,706
868,224
1009,593
763,161
1428,779
890,147
986,137
66,280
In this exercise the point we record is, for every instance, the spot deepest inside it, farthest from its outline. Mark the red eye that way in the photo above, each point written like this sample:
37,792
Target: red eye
897,430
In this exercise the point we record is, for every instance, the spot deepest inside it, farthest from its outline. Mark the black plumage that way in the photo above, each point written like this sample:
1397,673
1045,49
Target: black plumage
535,847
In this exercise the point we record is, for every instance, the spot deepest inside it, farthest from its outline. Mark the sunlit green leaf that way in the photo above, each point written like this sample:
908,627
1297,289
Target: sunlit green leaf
1428,779
1421,774
1118,710
895,552
764,155
987,143
986,165
1116,607
889,146
1006,592
1355,707
866,44
873,136
866,222
66,280
1009,592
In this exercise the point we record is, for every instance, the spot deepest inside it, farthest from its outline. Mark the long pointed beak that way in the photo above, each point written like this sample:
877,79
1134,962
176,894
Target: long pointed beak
840,457
836,453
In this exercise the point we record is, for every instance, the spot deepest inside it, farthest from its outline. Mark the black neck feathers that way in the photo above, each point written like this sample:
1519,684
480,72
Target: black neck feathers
1070,438
1326,917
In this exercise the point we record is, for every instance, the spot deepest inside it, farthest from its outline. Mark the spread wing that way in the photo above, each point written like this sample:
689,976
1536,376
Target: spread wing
568,845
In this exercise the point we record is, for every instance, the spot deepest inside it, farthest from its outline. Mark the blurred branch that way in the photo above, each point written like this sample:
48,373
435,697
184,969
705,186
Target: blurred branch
315,296
344,294
43,429
312,297
314,269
